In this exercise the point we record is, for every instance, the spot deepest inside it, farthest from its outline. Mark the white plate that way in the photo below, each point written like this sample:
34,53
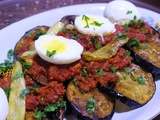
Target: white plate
11,34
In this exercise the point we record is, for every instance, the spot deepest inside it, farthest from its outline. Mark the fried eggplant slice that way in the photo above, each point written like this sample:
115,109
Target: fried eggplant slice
27,40
147,54
93,105
106,52
134,86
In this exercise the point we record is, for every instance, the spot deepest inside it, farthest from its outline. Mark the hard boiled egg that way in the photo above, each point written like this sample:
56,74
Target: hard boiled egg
121,10
57,49
3,105
94,25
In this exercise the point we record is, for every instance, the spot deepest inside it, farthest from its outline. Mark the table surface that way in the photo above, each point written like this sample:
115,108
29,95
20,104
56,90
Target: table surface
14,10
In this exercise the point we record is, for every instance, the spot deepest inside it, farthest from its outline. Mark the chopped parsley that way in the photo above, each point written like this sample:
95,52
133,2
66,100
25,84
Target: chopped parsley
18,74
24,93
143,30
73,33
84,17
135,42
8,63
75,81
95,23
55,106
129,12
91,105
126,26
128,69
98,46
145,46
113,69
121,36
26,65
141,80
39,114
50,53
63,29
128,52
100,72
138,22
84,72
94,39
39,33
7,91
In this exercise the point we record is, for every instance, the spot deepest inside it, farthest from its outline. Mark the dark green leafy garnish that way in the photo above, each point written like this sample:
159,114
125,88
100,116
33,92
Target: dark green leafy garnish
121,36
129,12
24,93
84,72
84,17
95,23
135,42
100,72
55,106
39,114
133,22
98,46
126,26
91,105
127,69
141,80
73,33
39,33
113,69
50,53
143,30
128,52
7,91
16,75
26,65
8,63
94,39
75,81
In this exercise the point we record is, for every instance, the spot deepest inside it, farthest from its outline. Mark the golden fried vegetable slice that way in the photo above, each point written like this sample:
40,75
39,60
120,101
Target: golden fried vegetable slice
106,52
16,101
55,28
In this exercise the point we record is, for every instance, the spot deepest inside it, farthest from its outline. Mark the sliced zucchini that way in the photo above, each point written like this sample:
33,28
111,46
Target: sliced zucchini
92,105
16,101
134,86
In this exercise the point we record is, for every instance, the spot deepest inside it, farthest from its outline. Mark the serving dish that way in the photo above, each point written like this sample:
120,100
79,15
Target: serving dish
11,34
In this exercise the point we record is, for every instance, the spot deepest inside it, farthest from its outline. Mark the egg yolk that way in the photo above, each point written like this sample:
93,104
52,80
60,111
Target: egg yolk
58,45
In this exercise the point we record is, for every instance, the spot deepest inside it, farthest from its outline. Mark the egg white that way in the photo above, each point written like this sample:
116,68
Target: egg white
105,28
3,105
70,53
117,10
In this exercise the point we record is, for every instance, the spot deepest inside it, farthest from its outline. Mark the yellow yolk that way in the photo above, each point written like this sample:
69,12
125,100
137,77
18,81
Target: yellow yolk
58,45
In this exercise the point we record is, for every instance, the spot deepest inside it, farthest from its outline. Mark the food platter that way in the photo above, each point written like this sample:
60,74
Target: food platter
11,34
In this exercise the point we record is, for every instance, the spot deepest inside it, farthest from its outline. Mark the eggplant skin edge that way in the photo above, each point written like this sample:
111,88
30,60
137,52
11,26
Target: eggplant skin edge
77,112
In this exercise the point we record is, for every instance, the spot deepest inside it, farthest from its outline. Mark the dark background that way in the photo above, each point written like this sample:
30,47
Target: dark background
15,10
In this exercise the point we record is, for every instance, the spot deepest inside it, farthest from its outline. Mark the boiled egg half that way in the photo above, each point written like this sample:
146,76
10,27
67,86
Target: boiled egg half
94,25
121,10
3,105
58,49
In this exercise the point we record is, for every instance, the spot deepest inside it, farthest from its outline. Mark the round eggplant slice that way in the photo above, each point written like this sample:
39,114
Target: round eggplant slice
82,104
147,54
134,86
27,40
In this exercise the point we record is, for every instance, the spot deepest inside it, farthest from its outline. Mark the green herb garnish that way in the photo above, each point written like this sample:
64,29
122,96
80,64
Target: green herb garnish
91,105
75,81
145,46
121,36
98,46
94,39
7,91
49,54
135,42
126,26
24,93
95,23
113,69
129,12
127,69
128,52
55,106
39,114
16,75
39,33
84,72
100,72
84,17
141,80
